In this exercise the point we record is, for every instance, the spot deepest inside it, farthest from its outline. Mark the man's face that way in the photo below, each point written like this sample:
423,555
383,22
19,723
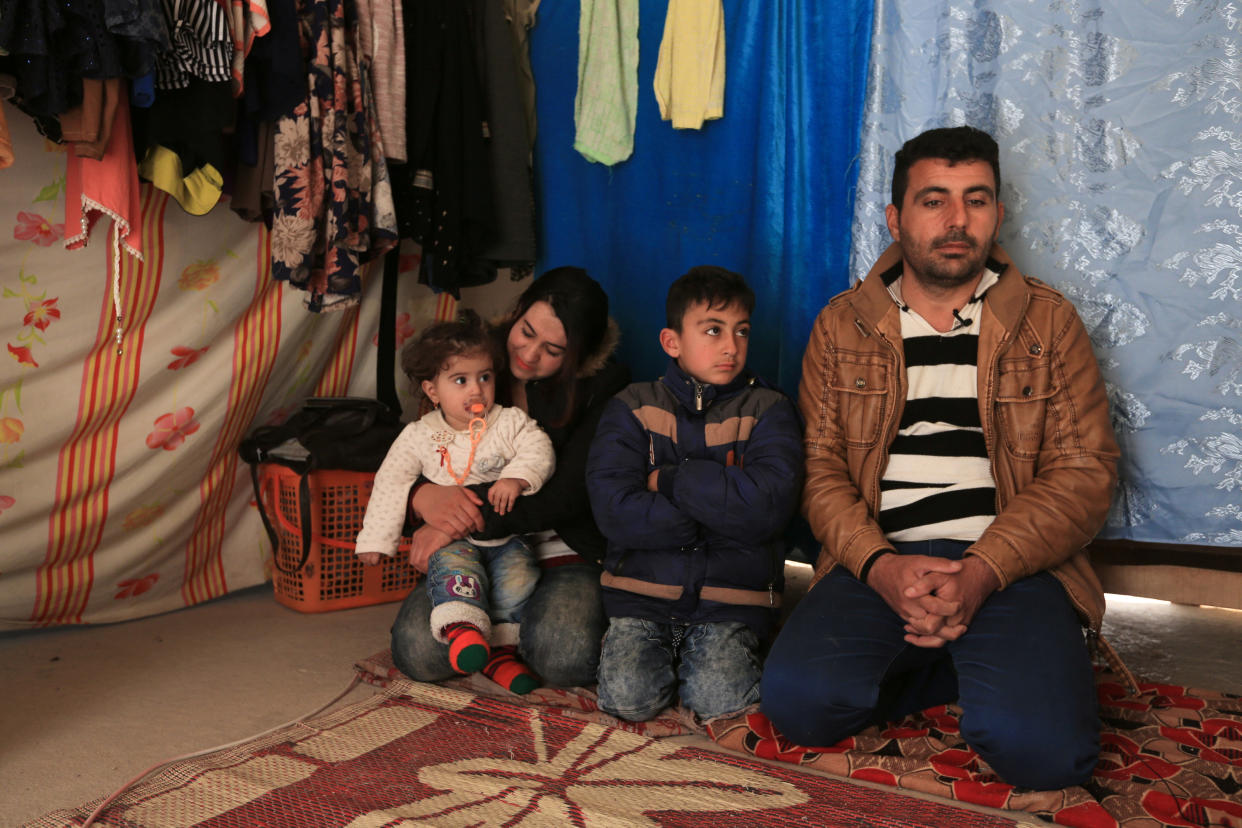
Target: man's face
948,221
712,343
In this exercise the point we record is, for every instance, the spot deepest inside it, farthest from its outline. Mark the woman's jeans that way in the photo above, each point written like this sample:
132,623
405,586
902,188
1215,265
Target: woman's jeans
562,625
481,582
1021,673
646,665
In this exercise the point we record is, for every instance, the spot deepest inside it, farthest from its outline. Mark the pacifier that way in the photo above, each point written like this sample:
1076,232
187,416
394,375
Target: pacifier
477,424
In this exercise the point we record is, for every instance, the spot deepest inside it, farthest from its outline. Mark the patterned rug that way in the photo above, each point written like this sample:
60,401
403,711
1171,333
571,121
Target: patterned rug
419,754
1171,756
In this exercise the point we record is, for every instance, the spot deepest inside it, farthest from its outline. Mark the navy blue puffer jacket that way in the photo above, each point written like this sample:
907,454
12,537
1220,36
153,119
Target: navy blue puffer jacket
707,546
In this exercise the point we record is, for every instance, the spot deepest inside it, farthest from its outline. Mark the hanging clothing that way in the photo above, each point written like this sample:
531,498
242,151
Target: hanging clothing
511,239
334,208
690,71
89,125
248,20
254,195
108,186
81,122
444,193
201,44
275,70
180,141
52,46
520,15
6,142
380,24
275,83
606,105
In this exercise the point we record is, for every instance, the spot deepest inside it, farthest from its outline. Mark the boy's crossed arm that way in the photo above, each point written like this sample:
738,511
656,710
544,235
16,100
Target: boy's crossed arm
751,501
617,474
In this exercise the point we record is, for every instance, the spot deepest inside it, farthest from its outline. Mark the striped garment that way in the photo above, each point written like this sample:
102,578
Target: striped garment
202,44
938,482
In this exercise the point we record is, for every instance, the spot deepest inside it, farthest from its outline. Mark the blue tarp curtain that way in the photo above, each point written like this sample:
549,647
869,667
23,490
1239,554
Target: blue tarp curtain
766,191
1118,123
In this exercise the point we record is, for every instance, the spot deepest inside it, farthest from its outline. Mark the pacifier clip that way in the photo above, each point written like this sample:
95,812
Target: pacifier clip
475,427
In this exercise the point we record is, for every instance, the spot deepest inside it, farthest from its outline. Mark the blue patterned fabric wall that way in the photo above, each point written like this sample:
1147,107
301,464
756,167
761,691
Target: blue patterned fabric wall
1120,126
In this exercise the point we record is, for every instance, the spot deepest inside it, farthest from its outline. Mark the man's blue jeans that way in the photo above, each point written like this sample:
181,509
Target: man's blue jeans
482,582
562,625
1021,673
645,665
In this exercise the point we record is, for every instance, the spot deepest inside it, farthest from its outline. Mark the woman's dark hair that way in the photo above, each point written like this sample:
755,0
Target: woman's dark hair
582,307
426,356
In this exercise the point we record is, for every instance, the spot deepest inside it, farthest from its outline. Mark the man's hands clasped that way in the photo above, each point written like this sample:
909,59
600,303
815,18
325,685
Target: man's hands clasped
936,597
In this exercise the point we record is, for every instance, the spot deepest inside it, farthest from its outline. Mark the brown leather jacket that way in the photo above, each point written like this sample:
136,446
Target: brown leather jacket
1045,421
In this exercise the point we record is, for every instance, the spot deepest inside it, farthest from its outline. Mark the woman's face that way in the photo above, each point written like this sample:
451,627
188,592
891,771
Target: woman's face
537,344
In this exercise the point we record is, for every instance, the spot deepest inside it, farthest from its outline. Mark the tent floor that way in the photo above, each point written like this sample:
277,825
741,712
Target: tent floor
88,708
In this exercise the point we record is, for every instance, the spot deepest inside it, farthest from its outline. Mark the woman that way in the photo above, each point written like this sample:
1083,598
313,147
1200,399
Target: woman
561,372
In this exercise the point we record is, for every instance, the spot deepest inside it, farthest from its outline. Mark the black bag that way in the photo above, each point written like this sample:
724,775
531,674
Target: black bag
346,433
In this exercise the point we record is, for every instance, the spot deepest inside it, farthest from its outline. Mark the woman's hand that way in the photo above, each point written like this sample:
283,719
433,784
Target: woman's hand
453,510
425,540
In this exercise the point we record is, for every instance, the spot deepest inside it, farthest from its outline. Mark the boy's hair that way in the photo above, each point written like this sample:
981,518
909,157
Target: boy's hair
952,144
711,285
424,357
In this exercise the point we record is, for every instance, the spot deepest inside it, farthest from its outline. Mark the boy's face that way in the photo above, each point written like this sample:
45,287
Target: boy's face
462,382
711,345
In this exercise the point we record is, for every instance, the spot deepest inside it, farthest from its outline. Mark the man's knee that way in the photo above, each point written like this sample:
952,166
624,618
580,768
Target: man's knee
805,715
1031,754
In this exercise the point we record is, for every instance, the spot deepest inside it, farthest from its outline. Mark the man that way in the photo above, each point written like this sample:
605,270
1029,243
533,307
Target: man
959,458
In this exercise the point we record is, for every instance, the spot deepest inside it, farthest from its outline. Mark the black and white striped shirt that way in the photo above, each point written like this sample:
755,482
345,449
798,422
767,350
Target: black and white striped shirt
202,45
938,482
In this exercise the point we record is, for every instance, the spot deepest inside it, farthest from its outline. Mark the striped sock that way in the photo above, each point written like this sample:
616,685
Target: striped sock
509,672
468,651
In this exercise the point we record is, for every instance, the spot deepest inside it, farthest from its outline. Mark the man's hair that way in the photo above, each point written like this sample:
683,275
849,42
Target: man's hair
711,285
952,144
426,356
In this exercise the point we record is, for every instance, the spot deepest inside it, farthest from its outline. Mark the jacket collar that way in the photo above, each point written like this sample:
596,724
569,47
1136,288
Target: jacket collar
697,396
1006,299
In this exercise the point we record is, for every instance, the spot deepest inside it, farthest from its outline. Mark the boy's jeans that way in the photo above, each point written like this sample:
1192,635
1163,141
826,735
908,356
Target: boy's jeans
644,665
485,582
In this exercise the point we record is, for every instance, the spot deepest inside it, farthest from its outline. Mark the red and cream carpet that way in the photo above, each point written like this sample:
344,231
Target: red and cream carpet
419,754
1171,756
473,755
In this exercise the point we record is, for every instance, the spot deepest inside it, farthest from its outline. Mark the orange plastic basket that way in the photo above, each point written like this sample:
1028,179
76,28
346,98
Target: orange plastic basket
333,577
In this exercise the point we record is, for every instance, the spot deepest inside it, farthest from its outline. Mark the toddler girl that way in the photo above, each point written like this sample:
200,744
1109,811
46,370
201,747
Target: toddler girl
477,587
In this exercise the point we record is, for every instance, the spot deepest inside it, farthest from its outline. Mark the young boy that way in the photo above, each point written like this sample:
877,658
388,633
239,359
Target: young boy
692,479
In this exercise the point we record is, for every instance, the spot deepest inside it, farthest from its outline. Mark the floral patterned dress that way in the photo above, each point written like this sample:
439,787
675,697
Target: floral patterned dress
334,208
